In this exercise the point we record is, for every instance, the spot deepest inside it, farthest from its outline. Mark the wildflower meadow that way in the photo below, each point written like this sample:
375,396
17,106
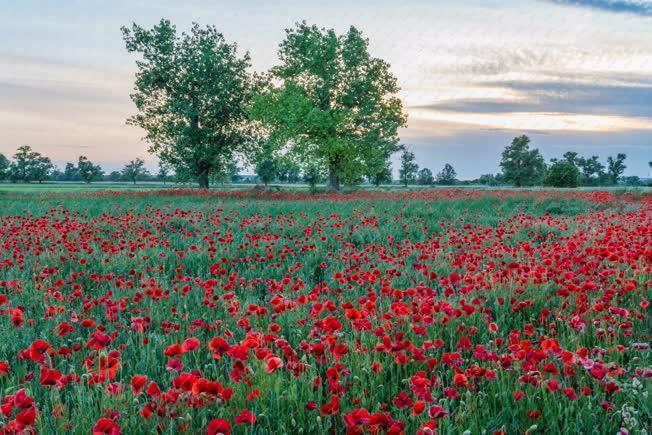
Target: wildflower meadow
442,311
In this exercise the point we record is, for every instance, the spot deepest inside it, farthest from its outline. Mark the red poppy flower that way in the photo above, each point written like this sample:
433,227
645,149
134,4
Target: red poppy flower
272,364
105,426
418,407
52,377
219,426
4,368
245,417
138,383
189,345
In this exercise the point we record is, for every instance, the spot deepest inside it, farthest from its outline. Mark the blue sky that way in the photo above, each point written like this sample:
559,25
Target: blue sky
572,74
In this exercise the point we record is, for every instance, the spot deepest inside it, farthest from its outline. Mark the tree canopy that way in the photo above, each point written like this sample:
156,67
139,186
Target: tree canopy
332,102
425,177
134,170
592,170
88,171
29,165
447,175
562,173
407,173
521,165
616,167
4,167
191,93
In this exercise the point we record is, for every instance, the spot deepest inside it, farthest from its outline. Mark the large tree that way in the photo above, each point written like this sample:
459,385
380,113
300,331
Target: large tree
616,167
332,102
163,171
266,164
521,165
287,170
425,177
447,175
134,170
88,171
562,173
407,172
382,176
71,172
592,169
41,168
4,167
191,93
29,165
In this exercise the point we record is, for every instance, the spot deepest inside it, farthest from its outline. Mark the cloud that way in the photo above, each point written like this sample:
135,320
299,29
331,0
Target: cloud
21,94
68,146
636,7
558,97
498,60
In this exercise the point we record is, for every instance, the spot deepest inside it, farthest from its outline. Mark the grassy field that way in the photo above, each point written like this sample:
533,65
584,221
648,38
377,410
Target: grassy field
152,185
439,311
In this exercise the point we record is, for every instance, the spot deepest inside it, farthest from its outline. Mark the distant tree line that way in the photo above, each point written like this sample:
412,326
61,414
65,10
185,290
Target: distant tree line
30,166
521,166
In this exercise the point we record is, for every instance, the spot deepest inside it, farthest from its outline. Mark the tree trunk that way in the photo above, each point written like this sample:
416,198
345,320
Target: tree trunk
333,179
202,179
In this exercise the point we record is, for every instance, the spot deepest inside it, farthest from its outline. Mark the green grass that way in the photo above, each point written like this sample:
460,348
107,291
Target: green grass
462,235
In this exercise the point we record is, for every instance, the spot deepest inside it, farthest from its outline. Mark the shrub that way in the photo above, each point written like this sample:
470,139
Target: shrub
562,174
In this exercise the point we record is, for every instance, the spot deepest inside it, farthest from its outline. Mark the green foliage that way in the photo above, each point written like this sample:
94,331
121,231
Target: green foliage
489,180
191,91
134,170
313,175
571,157
4,167
592,170
71,172
163,171
287,170
633,180
425,177
616,167
228,173
447,176
266,170
384,176
562,173
408,171
114,176
333,102
88,172
521,165
29,166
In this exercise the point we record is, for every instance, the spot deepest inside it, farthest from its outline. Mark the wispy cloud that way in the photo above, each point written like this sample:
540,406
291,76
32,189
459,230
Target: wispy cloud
496,60
557,97
636,7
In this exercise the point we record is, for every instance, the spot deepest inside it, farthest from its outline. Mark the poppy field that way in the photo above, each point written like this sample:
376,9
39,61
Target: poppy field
438,311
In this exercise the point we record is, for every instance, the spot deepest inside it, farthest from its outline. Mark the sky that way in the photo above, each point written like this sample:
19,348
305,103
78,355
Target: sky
572,74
